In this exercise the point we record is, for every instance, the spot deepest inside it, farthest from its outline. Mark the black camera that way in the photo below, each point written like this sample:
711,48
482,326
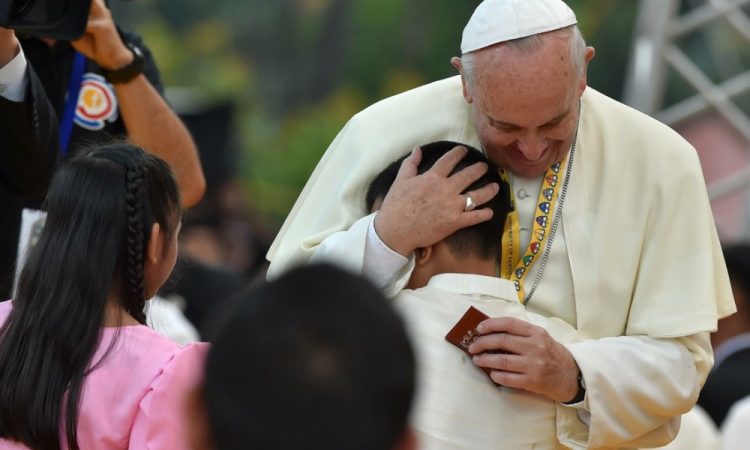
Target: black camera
59,19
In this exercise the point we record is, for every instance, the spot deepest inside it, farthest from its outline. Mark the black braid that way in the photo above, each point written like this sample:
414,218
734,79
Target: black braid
135,243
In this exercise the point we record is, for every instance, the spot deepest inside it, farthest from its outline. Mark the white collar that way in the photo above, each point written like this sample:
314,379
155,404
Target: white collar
471,284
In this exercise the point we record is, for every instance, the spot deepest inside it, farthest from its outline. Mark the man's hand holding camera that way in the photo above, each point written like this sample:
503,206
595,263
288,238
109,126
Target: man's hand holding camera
101,42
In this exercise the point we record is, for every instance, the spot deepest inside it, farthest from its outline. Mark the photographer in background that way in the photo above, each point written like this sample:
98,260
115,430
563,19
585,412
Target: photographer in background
56,95
29,149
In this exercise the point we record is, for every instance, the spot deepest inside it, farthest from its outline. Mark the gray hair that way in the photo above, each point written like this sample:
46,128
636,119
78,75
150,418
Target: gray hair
530,44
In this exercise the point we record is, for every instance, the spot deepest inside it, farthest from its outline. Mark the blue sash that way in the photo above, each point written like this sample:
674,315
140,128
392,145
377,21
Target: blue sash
71,100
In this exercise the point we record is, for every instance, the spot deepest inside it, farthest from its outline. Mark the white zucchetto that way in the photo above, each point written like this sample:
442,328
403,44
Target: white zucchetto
496,21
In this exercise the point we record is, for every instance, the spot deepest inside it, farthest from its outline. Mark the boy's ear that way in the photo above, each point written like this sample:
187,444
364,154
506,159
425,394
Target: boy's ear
422,255
155,245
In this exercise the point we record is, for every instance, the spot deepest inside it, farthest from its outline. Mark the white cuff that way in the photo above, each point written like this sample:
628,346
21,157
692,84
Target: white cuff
381,264
13,78
582,409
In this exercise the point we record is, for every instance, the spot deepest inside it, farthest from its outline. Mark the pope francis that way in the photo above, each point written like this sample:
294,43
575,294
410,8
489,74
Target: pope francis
612,231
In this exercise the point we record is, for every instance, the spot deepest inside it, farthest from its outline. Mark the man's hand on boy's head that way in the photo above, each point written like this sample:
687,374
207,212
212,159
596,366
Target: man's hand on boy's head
101,42
421,210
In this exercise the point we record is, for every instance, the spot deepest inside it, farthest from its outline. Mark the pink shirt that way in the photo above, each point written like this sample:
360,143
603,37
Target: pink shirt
134,399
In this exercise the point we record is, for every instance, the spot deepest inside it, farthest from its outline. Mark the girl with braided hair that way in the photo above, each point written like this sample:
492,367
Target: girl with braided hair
78,367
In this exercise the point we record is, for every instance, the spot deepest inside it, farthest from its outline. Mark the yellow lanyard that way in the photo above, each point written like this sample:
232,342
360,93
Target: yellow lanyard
514,266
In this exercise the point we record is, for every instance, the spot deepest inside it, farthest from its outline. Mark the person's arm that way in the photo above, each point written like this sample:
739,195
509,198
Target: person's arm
360,250
333,198
9,46
418,211
28,129
636,386
152,125
149,121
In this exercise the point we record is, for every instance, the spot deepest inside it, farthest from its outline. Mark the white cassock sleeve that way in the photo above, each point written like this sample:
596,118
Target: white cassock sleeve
637,388
334,197
360,250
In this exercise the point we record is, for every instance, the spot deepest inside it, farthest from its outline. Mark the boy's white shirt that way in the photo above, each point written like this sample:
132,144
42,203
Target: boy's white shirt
457,405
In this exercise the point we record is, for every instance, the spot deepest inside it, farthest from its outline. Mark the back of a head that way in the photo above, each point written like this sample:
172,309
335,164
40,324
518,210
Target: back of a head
482,240
101,206
317,359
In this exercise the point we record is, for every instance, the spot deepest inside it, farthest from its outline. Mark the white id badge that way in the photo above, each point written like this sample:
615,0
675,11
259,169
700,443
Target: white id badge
32,222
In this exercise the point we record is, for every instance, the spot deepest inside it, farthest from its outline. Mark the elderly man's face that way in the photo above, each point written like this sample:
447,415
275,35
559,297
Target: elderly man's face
525,106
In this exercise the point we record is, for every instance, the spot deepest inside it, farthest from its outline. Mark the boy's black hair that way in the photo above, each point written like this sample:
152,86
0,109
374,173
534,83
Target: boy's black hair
317,359
482,240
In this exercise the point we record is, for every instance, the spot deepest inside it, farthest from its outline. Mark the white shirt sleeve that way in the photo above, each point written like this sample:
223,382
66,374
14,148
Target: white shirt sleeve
360,250
13,78
381,264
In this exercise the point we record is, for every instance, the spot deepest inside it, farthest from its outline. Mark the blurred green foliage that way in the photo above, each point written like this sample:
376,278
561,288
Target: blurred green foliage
299,69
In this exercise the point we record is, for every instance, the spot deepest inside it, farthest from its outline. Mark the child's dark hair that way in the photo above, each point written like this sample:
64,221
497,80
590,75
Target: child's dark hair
483,239
319,348
100,209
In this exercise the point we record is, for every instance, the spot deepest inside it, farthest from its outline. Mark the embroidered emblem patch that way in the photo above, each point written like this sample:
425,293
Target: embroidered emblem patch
97,103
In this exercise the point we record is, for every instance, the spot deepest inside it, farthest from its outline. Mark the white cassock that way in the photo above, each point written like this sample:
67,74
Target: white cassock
636,266
697,431
735,430
457,406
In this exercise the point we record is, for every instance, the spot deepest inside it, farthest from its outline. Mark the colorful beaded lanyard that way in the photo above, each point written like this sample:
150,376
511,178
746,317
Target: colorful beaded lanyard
514,266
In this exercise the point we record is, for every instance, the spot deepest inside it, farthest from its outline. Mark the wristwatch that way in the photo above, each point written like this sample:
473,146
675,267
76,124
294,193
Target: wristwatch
581,394
132,70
